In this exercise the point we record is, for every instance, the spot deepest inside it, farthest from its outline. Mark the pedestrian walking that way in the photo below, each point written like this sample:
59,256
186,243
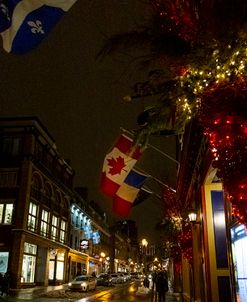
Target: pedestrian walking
161,286
154,292
146,282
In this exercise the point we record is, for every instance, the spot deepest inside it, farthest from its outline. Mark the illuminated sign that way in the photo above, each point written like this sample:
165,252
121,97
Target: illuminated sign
96,237
84,244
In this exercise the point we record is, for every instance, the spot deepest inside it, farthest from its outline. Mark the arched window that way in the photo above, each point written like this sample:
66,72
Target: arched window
36,186
47,195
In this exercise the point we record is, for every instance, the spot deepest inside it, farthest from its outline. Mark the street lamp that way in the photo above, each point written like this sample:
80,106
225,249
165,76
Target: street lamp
145,244
102,255
193,216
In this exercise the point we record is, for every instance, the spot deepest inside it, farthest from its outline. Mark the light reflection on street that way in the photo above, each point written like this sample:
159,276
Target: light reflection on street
102,294
119,294
132,289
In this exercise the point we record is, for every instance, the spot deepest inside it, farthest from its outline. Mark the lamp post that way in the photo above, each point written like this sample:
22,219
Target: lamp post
195,225
144,245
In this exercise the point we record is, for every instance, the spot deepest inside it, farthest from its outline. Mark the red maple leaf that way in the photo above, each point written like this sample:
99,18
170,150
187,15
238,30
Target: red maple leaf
116,164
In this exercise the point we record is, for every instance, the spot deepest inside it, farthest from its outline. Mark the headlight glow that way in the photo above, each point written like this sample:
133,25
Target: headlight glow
70,284
84,284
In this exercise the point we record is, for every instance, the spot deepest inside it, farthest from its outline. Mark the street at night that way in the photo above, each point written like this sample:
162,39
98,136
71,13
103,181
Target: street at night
127,293
123,150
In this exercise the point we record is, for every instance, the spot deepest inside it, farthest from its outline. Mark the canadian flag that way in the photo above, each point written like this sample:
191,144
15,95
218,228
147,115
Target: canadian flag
118,163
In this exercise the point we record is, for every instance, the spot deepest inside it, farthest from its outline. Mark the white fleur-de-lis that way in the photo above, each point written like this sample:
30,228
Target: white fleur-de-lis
36,27
5,10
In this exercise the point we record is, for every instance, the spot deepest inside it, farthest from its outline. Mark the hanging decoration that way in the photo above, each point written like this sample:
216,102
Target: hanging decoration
185,240
179,229
201,49
224,118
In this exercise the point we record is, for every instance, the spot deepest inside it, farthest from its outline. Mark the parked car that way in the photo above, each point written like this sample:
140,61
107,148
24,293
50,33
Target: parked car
115,278
104,279
83,283
122,277
127,276
134,275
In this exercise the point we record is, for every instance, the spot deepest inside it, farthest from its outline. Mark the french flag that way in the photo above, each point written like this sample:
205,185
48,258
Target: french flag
117,164
25,23
128,192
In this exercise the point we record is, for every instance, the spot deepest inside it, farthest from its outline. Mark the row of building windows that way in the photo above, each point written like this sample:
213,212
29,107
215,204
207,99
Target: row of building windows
48,224
58,225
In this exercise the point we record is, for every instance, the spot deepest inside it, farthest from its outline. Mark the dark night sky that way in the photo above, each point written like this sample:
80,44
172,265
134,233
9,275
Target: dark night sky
79,98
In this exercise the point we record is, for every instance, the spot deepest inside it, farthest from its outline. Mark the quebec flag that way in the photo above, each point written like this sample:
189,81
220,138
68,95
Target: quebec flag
25,23
128,192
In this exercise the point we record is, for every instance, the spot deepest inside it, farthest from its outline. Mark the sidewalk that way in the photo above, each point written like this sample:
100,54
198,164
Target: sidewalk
30,293
170,297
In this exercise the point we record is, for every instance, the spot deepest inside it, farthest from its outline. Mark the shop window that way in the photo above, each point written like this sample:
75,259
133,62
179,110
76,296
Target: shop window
54,228
62,231
56,265
4,258
6,212
60,266
53,254
51,269
28,263
44,226
239,247
32,217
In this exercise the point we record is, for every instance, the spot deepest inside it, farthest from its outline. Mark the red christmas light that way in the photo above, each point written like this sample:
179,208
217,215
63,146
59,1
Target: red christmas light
224,118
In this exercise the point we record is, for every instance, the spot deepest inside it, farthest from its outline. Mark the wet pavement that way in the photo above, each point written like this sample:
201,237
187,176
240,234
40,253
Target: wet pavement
119,293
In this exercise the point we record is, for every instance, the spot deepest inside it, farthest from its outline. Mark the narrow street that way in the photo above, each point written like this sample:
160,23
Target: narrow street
120,293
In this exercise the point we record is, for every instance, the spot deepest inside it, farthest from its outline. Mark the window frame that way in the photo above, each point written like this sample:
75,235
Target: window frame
54,227
44,223
5,203
63,231
31,215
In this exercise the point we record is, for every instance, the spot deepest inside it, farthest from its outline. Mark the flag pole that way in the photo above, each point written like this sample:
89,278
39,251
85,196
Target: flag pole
153,147
156,179
151,192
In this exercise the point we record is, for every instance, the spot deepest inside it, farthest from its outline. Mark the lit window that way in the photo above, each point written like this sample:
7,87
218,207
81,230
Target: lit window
54,228
44,227
62,231
6,212
32,217
28,263
60,266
